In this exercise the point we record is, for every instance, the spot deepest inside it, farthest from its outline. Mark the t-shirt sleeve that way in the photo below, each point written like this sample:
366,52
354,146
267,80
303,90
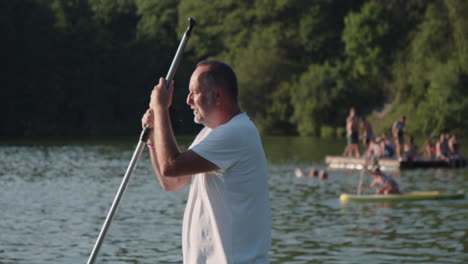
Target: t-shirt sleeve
222,147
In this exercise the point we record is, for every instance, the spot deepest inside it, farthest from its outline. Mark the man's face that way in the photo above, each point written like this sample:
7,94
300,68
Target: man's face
200,97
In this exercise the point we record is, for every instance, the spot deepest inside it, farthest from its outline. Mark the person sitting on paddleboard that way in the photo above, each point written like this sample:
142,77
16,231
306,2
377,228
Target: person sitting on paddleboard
389,185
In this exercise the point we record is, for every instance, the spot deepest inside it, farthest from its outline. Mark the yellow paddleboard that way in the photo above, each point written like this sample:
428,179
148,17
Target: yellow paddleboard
411,196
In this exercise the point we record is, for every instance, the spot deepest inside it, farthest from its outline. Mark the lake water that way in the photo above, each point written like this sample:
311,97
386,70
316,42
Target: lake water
54,199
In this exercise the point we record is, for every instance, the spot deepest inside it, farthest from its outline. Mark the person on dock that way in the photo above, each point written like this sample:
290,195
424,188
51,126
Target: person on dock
398,132
374,151
227,217
454,153
389,185
411,150
454,147
352,134
442,149
429,149
387,147
367,132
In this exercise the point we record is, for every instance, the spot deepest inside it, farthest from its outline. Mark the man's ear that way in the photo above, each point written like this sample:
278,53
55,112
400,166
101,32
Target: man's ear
217,96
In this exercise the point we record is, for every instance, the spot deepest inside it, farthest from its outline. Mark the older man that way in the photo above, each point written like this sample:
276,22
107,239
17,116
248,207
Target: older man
227,216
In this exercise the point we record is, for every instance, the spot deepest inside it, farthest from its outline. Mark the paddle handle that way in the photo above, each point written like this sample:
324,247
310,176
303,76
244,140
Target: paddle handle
174,65
139,149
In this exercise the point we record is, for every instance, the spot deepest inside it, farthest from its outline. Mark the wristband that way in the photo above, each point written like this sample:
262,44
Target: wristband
150,146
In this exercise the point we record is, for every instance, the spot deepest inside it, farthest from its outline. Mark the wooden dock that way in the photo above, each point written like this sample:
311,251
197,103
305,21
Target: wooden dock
340,162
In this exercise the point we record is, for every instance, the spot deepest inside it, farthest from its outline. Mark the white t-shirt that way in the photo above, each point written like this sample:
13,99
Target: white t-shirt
227,218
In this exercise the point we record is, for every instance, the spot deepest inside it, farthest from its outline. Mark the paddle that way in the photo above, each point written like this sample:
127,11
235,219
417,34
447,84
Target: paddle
139,149
360,182
364,167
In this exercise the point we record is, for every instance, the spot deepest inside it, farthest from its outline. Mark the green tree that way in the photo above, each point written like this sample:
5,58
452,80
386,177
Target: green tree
268,43
368,39
301,64
316,96
434,92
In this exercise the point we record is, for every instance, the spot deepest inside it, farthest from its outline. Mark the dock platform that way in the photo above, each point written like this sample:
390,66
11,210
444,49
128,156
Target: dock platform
340,162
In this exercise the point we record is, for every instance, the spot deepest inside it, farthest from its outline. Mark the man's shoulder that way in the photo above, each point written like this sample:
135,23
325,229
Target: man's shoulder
235,128
240,122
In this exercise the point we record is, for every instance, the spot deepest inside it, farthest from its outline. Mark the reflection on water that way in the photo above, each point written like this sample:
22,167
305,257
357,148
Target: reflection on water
54,199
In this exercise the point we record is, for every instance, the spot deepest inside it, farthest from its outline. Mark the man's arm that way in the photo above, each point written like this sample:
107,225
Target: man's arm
373,184
168,184
370,186
172,162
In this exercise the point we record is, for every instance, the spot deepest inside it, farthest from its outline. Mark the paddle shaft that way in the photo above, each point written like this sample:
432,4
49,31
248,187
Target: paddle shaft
360,182
139,149
364,167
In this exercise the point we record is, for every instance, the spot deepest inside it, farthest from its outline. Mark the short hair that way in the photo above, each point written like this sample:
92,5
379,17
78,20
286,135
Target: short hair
220,74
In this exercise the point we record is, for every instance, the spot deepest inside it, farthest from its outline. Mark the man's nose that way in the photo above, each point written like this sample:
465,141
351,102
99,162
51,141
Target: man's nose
189,99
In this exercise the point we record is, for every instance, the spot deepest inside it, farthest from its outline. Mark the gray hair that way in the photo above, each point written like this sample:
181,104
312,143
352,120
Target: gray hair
220,74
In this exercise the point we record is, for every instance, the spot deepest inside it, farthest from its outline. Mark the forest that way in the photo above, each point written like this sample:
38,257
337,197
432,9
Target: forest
86,68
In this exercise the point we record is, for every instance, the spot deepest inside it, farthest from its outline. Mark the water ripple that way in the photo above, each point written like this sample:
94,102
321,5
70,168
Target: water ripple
54,200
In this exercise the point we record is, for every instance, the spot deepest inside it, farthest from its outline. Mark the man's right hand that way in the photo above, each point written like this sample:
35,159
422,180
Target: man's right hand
148,119
160,96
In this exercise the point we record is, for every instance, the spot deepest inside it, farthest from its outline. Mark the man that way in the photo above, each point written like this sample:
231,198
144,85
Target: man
374,151
386,146
367,132
227,217
398,132
454,151
411,150
352,136
389,185
454,146
442,149
429,148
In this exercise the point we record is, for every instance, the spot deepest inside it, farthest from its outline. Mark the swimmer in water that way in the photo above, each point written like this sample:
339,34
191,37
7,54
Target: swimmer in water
300,173
323,175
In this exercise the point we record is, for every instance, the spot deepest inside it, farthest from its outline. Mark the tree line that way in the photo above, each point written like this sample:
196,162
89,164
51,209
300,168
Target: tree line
85,68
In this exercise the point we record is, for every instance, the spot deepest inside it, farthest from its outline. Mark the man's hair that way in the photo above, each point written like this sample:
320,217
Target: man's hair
219,74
